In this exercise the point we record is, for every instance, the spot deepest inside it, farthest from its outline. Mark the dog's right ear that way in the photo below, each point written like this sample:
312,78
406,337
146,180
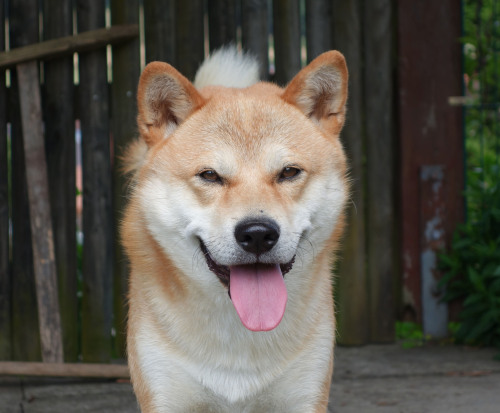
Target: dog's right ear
165,99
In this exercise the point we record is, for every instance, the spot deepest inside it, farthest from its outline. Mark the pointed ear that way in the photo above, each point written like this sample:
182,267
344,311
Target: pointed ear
320,91
165,99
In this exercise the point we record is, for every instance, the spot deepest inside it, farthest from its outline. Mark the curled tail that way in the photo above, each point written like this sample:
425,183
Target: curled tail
228,67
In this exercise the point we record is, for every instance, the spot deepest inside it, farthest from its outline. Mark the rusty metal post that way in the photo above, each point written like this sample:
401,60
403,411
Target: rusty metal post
429,130
432,219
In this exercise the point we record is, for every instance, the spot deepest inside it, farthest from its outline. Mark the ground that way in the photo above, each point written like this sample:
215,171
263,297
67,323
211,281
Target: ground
370,379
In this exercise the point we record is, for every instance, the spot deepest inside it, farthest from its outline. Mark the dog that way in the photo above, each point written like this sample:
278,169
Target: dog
235,213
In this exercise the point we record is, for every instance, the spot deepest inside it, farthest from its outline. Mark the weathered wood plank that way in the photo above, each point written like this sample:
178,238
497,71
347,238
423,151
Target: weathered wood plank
65,46
126,71
59,120
111,371
41,222
23,24
189,36
286,23
255,32
159,27
5,274
380,168
94,113
318,27
221,23
352,283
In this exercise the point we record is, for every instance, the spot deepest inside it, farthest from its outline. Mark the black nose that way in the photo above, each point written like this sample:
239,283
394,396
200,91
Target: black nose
257,237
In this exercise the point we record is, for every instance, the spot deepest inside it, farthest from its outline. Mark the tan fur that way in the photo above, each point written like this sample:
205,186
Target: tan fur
187,349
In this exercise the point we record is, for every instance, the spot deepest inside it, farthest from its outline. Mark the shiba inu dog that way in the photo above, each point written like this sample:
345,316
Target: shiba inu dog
236,208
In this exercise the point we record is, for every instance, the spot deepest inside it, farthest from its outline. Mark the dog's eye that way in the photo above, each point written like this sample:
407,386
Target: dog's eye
210,175
288,173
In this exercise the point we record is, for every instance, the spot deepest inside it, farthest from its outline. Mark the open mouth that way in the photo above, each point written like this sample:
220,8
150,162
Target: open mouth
223,272
257,291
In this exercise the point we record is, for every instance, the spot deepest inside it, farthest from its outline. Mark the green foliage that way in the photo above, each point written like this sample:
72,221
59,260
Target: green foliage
481,42
472,265
472,269
481,48
409,334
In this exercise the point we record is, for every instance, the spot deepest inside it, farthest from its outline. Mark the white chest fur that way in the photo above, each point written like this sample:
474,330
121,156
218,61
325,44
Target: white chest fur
203,356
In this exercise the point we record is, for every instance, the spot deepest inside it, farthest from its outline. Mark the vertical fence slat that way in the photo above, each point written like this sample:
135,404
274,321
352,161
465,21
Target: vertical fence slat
60,149
41,223
23,23
189,36
159,28
380,167
351,283
255,32
318,27
5,275
286,23
221,23
97,191
126,70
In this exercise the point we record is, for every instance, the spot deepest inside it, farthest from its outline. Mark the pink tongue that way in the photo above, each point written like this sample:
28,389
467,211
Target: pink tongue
259,295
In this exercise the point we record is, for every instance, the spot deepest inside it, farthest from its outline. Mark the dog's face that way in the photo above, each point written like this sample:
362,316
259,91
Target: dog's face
237,185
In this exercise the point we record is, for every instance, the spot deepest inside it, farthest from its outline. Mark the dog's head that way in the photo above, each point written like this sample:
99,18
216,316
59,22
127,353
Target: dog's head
245,179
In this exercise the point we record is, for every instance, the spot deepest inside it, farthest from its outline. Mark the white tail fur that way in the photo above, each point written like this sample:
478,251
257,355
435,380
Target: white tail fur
227,67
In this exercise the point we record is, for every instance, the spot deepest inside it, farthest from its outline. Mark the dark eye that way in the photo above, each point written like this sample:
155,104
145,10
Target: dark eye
288,173
210,175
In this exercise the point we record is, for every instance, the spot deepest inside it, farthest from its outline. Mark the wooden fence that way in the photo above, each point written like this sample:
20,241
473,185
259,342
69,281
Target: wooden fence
100,93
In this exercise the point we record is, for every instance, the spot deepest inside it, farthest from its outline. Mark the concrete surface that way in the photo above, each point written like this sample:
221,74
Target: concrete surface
371,379
390,379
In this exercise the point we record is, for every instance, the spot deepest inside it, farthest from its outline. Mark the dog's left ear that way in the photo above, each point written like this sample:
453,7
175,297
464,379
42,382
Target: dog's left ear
320,91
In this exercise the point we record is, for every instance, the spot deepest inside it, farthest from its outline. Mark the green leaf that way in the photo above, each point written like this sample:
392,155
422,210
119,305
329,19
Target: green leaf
483,328
473,312
476,279
446,261
472,300
453,295
461,243
495,288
